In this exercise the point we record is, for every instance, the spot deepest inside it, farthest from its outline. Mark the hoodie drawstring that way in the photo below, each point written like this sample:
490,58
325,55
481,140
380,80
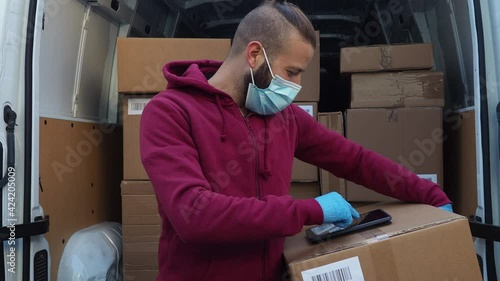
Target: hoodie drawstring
223,136
265,173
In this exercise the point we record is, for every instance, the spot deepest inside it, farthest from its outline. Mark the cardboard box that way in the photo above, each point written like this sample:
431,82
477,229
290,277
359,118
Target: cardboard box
139,205
141,220
302,171
141,227
412,137
422,243
141,233
141,60
137,188
311,78
460,180
132,107
140,261
329,183
397,89
304,190
386,57
146,247
140,275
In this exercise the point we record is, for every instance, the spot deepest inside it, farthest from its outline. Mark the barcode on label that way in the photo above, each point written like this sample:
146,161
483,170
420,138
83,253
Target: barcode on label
344,270
341,274
324,228
136,106
308,108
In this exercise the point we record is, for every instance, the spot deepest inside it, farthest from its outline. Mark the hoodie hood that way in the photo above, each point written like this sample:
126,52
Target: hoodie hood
192,75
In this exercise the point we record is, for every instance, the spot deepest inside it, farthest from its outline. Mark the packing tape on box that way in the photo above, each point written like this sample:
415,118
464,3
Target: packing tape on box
381,255
374,235
386,57
383,261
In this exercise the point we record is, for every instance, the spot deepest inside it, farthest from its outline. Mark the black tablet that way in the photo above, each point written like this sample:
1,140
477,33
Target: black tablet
329,230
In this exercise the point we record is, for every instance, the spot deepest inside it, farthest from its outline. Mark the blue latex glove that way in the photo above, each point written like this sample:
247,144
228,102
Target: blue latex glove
336,209
447,207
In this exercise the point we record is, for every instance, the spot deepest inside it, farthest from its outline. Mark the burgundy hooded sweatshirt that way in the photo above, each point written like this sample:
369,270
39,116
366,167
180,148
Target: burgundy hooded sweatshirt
222,180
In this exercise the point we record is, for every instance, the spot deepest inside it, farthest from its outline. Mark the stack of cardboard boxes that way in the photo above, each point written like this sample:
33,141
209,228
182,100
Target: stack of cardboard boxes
140,63
305,181
396,109
396,112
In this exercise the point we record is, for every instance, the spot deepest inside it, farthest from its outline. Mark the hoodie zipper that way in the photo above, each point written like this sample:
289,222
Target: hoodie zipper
257,190
257,163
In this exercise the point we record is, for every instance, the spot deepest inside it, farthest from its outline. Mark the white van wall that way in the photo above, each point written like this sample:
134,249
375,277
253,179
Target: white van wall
76,60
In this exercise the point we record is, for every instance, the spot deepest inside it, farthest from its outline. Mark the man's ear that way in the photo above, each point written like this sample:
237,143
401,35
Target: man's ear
254,54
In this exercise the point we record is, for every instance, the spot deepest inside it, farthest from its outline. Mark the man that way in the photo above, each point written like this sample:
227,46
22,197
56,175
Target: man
219,154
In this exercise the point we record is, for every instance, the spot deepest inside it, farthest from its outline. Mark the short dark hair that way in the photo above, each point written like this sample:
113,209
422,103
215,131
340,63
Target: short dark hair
271,24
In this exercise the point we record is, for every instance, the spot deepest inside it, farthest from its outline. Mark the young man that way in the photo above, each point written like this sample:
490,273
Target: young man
219,154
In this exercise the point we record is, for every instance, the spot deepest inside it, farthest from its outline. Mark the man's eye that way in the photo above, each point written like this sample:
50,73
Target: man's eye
291,73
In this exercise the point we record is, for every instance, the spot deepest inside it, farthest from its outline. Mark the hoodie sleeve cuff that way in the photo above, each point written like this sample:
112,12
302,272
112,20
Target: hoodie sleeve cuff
311,210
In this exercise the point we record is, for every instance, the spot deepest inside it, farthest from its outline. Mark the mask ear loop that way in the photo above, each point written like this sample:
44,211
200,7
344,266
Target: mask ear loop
268,64
251,75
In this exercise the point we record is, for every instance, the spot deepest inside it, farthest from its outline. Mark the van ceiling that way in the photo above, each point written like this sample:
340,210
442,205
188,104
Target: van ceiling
341,22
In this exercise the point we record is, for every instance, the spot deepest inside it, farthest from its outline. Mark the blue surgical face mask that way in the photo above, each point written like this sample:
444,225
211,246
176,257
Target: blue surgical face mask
272,99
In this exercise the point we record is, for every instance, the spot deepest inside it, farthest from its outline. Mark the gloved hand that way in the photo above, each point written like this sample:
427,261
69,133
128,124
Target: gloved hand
447,207
336,209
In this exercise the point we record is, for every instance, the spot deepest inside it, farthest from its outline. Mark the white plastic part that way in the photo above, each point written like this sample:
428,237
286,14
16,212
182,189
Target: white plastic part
93,253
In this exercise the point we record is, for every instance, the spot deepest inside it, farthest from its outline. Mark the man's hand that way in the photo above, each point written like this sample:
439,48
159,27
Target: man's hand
447,207
337,210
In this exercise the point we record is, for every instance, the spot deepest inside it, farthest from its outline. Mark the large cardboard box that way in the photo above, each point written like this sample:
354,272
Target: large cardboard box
397,89
460,161
412,137
140,60
304,190
302,171
386,57
422,243
330,183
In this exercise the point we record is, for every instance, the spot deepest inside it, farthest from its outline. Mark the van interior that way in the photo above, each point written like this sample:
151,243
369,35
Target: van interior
78,91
